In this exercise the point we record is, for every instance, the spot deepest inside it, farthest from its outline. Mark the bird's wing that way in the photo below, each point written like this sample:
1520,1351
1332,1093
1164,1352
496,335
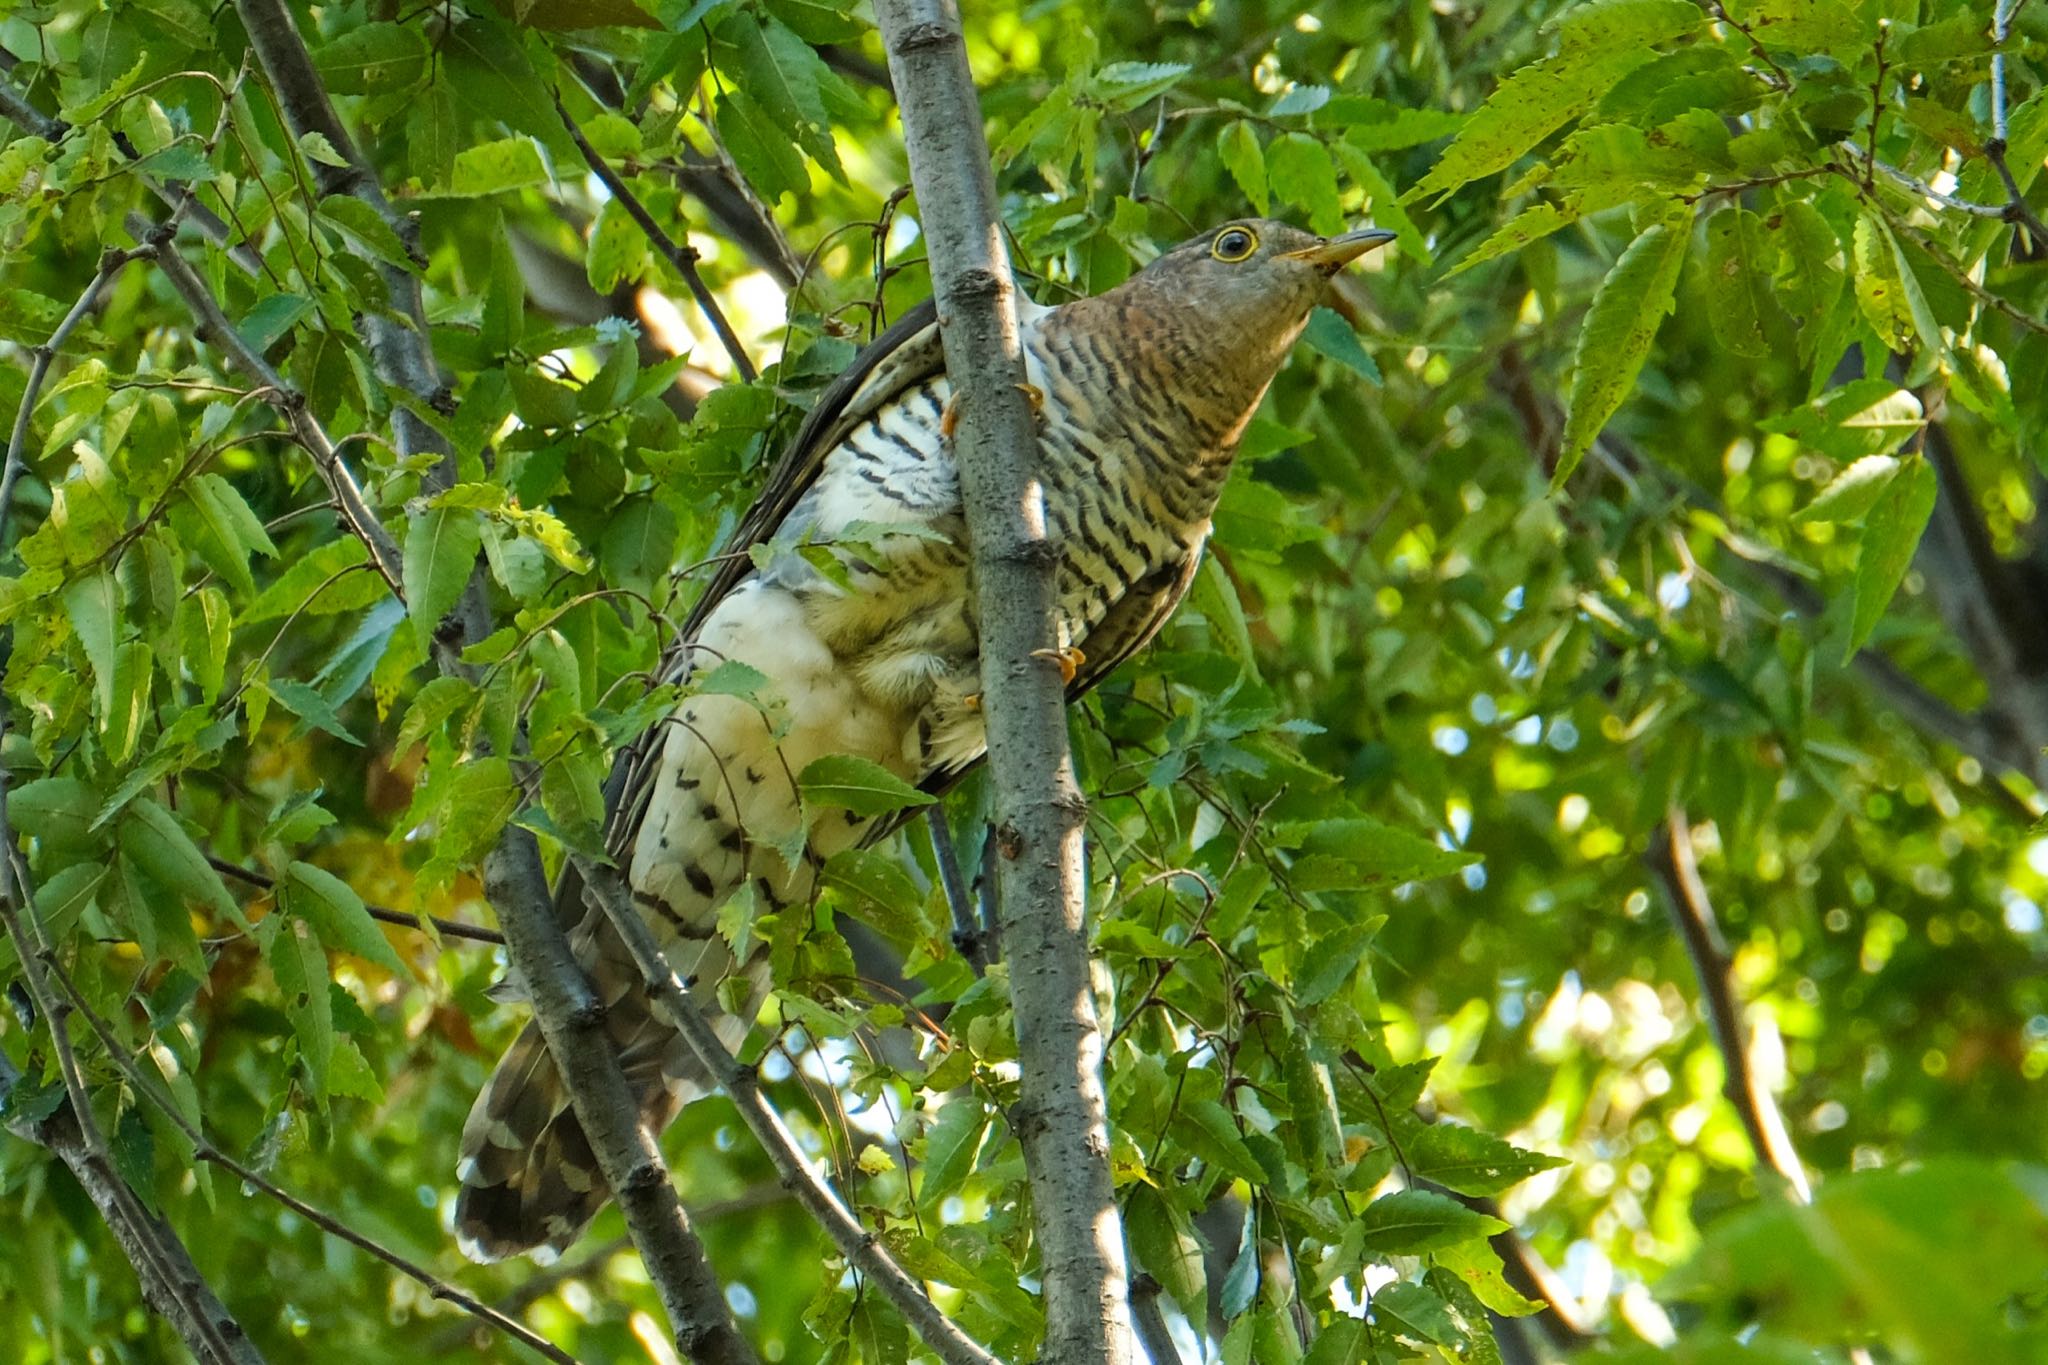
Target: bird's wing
1133,620
903,356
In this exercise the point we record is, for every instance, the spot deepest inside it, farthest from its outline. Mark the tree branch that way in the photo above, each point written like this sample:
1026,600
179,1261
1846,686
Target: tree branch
571,1020
1061,1117
204,1149
2017,210
567,1011
862,1250
1671,859
215,328
1150,1322
969,939
682,257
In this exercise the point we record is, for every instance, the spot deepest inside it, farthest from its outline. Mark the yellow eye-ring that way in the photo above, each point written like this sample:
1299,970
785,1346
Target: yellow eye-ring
1234,244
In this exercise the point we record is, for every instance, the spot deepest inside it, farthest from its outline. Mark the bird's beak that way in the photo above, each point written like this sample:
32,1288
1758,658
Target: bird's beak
1334,253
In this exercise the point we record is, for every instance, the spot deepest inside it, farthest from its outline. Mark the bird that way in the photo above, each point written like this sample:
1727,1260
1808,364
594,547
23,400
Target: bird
1141,395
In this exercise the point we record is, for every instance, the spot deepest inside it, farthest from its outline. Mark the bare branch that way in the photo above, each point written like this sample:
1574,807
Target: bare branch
1671,859
1150,1322
862,1250
2017,210
1061,1117
682,257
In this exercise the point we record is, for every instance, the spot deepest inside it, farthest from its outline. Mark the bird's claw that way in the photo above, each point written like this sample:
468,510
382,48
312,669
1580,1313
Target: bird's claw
949,418
1069,660
1036,397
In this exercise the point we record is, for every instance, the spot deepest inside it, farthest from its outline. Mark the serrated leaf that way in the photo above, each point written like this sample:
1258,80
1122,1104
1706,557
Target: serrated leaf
764,152
328,579
375,59
1124,86
152,836
1299,171
441,547
1416,1313
950,1146
1313,1104
1380,853
857,784
1804,25
1237,146
618,249
93,604
510,163
1739,302
1411,1222
1809,274
1163,1241
312,707
1864,417
270,319
1891,533
1206,1128
884,896
1471,1162
1328,333
128,705
787,77
1382,204
293,950
1880,293
1851,493
216,523
364,228
1615,339
336,913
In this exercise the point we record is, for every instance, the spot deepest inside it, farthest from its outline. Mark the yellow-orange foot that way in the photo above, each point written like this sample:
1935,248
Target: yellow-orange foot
1069,660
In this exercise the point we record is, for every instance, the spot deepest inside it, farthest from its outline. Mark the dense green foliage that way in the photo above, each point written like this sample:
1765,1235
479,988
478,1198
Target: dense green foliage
1371,823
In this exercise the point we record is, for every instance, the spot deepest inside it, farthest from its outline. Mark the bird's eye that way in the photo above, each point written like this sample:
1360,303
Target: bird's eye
1234,244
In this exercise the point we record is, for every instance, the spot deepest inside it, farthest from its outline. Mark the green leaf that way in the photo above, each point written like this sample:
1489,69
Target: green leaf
617,252
364,228
94,605
1237,146
1880,293
1411,1222
270,319
1809,274
786,76
1163,1241
1206,1128
214,521
441,546
1891,533
56,810
950,1145
1803,25
764,152
858,785
292,948
1328,333
1528,107
1416,1313
1616,337
336,913
882,894
1328,964
376,59
1739,302
1300,172
1380,853
1864,417
328,579
510,163
158,843
1313,1105
1471,1162
1123,86
1852,493
121,723
1605,26
1383,205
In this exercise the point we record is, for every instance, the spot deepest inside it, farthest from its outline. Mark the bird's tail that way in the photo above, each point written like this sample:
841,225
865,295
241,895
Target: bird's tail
530,1182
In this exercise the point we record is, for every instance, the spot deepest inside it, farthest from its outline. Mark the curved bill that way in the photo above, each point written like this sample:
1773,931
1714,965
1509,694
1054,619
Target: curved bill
1335,253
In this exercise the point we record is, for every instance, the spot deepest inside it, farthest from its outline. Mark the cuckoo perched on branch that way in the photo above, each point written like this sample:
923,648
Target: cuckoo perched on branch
1142,395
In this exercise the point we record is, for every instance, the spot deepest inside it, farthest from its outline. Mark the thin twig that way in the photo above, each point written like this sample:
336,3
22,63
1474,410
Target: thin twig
214,326
1779,78
968,937
683,257
1671,860
863,1251
204,1149
447,928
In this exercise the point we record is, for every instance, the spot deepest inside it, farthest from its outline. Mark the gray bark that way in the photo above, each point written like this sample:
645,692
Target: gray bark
1061,1118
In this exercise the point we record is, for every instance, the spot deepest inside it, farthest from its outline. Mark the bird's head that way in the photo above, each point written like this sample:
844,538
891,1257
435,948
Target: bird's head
1231,302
